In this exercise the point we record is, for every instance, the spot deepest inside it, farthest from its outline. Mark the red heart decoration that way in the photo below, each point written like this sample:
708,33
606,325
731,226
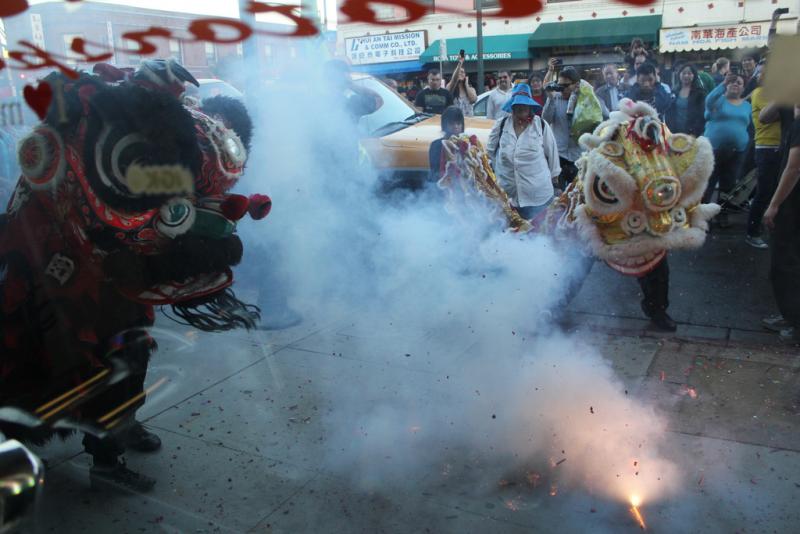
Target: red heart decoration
39,99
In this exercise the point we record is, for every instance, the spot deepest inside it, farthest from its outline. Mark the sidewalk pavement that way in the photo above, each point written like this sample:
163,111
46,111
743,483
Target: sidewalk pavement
245,448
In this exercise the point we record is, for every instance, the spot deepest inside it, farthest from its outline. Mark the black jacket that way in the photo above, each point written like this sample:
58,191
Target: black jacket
695,117
659,98
435,160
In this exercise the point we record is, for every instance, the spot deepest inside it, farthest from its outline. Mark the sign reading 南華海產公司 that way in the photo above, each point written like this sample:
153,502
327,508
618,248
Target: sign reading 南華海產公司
387,47
745,35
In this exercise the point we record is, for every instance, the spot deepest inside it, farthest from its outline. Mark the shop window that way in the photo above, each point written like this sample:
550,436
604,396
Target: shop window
72,57
211,54
384,12
175,50
133,59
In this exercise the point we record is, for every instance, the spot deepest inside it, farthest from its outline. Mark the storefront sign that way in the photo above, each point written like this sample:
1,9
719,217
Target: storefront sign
487,56
384,48
748,35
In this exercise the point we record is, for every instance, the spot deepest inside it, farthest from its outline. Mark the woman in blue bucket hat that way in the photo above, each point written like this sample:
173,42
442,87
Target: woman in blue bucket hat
524,154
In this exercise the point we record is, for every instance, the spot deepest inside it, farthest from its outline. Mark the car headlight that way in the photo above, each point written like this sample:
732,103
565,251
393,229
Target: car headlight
21,479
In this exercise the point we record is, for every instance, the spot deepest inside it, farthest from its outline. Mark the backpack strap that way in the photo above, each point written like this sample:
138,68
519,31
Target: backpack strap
502,126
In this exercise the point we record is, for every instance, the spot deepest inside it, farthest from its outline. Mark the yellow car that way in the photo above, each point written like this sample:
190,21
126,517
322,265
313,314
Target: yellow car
397,136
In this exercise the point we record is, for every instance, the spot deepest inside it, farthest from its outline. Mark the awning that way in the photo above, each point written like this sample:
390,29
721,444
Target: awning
495,47
722,36
389,68
596,32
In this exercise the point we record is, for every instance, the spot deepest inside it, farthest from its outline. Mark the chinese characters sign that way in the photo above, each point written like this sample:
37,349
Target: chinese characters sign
750,35
406,46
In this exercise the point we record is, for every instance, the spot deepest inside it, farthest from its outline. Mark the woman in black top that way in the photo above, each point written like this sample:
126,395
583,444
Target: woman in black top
687,112
452,124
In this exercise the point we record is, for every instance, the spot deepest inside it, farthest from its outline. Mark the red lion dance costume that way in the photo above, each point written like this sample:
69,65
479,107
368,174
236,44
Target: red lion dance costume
123,205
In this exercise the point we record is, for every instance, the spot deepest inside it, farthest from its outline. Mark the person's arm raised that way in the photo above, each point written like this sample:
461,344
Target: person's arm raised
454,77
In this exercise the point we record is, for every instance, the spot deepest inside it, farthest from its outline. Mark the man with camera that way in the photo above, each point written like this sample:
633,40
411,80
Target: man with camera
558,112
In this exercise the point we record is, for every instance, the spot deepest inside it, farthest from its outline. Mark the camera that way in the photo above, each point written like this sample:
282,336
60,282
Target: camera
559,62
462,53
554,86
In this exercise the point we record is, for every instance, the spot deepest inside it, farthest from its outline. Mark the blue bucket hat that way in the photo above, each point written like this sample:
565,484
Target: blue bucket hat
520,94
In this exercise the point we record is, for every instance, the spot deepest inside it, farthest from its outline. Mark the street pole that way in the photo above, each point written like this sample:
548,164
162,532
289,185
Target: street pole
479,12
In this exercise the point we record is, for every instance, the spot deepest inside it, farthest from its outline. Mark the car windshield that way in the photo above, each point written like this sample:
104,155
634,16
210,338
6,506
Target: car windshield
394,110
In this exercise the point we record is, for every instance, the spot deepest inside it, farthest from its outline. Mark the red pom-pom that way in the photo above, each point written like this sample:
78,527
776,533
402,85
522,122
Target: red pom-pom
260,205
234,207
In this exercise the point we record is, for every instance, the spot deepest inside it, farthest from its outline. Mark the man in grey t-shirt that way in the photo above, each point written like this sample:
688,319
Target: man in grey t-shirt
499,96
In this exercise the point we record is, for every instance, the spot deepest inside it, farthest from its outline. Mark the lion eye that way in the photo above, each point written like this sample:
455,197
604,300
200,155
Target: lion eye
662,193
602,191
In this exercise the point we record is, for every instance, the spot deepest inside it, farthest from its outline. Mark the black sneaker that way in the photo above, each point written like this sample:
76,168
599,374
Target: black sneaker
663,321
118,476
141,440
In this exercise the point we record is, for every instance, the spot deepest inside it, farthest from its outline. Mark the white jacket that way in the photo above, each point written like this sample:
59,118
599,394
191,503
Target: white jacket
525,165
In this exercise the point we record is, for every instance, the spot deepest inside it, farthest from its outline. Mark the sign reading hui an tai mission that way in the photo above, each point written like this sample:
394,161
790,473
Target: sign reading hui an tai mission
383,48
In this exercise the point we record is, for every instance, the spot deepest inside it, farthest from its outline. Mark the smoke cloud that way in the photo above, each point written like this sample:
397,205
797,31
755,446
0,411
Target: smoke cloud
499,383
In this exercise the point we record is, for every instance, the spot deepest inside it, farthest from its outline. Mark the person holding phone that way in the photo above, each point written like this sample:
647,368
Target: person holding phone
557,112
462,93
554,65
728,117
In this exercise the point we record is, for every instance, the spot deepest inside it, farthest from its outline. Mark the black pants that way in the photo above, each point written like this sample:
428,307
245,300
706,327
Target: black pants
568,172
768,163
785,265
135,354
654,285
727,169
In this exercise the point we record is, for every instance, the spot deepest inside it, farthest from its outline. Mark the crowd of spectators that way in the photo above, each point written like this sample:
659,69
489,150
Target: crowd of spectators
726,105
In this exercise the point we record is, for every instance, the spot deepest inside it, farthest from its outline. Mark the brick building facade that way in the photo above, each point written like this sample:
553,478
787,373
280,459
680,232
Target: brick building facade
52,26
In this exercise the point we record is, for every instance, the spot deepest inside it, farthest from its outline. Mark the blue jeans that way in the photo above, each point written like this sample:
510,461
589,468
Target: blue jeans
529,212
